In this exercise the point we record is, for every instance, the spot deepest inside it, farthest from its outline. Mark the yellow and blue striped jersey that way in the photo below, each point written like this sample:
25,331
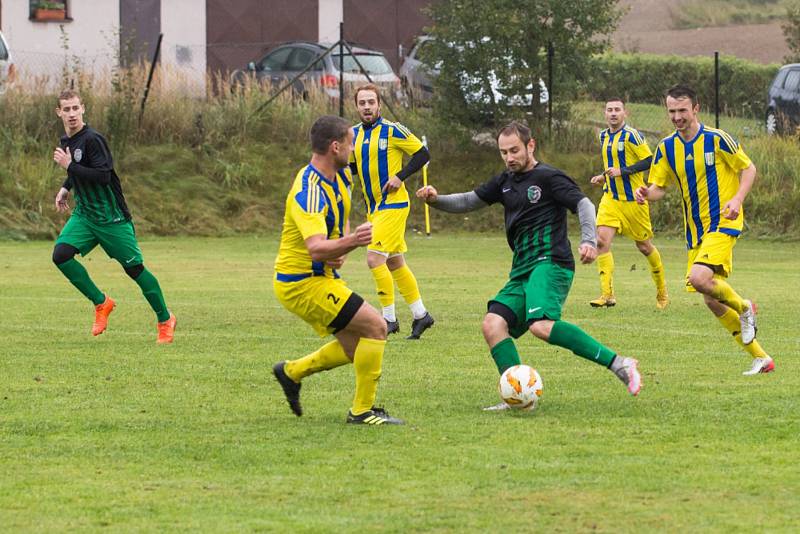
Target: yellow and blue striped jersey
621,149
315,205
706,170
378,155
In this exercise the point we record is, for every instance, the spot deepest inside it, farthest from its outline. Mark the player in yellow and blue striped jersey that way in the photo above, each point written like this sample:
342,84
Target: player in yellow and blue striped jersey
625,158
378,161
714,176
314,242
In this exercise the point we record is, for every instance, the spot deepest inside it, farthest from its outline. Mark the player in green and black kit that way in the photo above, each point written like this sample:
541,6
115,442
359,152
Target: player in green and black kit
536,197
100,217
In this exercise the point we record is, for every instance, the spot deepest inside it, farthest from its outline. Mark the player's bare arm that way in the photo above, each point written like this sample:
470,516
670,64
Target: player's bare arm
392,184
746,180
651,192
323,249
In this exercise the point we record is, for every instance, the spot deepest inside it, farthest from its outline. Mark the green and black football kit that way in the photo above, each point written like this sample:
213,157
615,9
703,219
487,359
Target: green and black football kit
535,204
100,217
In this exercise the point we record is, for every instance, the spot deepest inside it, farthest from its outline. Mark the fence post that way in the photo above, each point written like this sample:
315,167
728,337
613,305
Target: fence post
550,55
150,76
341,69
716,89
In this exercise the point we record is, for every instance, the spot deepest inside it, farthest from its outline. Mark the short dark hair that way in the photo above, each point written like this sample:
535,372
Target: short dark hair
68,94
615,98
326,130
367,87
682,91
516,128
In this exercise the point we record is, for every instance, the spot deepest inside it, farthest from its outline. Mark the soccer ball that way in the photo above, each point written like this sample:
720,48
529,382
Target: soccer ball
520,387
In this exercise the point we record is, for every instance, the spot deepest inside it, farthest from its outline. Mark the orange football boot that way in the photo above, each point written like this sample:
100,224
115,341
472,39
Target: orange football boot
101,313
166,330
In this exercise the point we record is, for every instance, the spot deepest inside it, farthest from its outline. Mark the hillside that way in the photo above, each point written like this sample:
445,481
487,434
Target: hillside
647,27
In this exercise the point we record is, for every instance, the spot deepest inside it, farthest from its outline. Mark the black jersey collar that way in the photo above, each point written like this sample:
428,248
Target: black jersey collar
378,121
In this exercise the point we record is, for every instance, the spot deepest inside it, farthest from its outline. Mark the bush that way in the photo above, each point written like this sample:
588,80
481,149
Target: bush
645,78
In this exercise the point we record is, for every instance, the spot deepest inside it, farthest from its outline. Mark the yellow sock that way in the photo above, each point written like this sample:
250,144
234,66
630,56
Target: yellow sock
367,361
657,269
730,320
384,284
326,357
724,293
605,266
406,284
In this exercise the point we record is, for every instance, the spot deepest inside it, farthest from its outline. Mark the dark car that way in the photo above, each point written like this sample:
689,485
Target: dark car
6,65
783,108
286,61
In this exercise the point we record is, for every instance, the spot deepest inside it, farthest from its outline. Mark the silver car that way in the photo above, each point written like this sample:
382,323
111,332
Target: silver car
7,69
286,61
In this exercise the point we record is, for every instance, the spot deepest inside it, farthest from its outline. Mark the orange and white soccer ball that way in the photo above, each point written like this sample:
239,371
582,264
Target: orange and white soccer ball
520,387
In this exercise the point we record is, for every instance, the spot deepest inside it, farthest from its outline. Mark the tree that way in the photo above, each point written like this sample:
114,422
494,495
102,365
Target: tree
491,55
791,31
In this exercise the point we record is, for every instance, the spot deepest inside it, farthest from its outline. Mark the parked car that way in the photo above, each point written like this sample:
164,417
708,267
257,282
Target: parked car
783,107
7,69
288,60
417,78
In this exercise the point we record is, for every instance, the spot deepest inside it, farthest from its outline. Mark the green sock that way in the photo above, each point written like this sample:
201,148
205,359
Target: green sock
76,274
571,337
505,355
152,292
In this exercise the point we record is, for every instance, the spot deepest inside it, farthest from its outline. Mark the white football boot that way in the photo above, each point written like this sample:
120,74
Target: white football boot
761,365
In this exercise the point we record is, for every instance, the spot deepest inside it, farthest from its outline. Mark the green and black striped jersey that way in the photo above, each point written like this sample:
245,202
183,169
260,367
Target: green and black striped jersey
535,204
91,178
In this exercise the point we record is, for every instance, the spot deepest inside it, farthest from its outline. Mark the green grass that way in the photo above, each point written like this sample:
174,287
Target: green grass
653,119
116,432
692,14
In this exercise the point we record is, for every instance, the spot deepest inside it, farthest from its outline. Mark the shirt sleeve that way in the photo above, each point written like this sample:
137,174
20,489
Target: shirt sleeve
566,192
308,209
490,192
660,171
639,145
732,153
403,139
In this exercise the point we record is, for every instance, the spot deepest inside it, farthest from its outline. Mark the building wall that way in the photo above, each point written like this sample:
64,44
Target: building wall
183,49
38,47
331,13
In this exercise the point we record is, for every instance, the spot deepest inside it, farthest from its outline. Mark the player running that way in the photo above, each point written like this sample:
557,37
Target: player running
314,242
377,159
100,217
535,198
625,157
714,176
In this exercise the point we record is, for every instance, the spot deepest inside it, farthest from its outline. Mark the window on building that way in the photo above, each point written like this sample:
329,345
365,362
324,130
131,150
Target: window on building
49,10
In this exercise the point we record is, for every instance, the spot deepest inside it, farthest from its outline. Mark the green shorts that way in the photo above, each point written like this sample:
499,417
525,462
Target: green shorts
117,239
538,295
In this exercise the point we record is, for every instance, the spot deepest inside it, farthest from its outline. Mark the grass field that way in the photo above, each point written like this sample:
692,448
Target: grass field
115,432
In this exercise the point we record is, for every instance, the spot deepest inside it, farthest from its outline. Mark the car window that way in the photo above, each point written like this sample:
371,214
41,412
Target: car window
423,50
277,59
3,51
779,79
372,63
300,59
792,80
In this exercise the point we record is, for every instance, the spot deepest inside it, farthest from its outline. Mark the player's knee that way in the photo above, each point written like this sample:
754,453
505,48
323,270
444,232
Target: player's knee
134,271
62,253
540,329
700,282
377,328
645,247
493,325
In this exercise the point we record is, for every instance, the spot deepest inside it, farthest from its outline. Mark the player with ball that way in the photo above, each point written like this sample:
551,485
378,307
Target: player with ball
535,198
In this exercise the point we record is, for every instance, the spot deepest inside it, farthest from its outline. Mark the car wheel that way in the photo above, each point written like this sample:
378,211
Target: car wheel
771,122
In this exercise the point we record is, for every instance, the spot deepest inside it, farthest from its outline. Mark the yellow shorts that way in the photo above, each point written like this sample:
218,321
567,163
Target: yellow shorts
716,250
629,218
318,300
389,231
